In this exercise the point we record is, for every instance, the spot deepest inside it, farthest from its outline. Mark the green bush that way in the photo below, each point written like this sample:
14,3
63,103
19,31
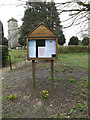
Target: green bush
85,41
73,40
72,49
4,55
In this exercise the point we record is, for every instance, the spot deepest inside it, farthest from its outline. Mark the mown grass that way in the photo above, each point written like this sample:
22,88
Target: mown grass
17,55
74,59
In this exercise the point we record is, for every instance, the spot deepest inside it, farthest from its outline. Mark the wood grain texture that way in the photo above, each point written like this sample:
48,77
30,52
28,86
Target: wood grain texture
41,30
35,38
53,58
52,77
27,49
34,77
56,47
42,58
39,33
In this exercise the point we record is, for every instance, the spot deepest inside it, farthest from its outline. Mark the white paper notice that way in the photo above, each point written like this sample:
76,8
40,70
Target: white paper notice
41,52
32,52
50,48
32,48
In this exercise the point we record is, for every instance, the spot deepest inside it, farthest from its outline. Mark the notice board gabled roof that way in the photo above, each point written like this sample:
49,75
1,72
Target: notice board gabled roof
41,31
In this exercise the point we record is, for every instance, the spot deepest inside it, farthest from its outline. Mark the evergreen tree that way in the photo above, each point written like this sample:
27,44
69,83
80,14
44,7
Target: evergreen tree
4,41
21,41
85,41
61,39
73,40
46,12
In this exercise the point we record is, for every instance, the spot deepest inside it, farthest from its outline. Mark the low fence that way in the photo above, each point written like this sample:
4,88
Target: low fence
18,58
18,64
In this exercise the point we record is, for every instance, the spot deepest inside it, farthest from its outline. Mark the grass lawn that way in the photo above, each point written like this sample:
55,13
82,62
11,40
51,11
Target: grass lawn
74,59
18,55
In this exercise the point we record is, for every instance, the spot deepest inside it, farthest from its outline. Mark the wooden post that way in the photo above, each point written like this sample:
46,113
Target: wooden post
51,78
34,77
10,62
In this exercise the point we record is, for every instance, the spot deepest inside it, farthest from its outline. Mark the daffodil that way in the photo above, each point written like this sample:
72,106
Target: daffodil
14,95
46,91
45,94
50,105
43,91
10,95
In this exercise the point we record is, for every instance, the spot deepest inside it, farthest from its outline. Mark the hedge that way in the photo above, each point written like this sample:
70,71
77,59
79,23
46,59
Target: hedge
72,49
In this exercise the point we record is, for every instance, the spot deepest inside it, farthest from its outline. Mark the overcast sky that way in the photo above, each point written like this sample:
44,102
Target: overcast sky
10,8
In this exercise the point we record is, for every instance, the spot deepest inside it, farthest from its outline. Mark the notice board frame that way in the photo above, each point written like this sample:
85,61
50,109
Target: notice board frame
41,38
41,32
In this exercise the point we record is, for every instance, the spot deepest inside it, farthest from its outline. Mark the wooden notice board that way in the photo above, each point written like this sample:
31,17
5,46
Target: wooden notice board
42,44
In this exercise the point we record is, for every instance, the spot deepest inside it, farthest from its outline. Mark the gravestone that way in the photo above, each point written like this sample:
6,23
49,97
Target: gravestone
1,32
1,37
89,25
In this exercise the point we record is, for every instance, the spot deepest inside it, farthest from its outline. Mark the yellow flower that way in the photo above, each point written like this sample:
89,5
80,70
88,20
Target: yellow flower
47,94
43,91
30,95
10,96
46,91
50,105
14,95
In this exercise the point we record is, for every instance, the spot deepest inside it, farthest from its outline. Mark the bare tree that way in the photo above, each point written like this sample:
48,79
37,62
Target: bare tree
78,11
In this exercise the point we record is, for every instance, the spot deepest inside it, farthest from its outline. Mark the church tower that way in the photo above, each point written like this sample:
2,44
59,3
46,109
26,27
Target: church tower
13,33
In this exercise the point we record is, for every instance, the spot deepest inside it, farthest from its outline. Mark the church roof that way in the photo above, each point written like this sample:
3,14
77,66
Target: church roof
12,19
